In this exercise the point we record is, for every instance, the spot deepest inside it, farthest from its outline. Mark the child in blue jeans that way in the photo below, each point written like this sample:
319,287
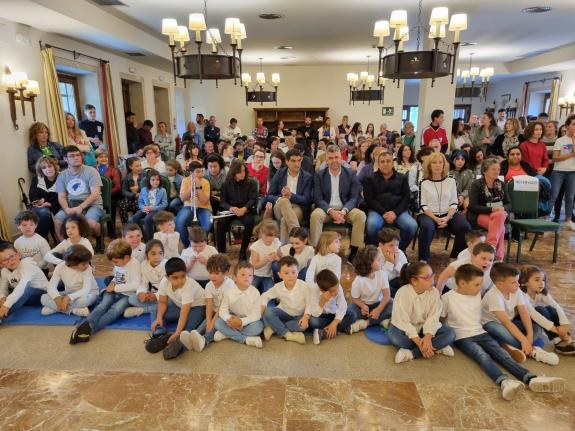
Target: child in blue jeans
153,198
264,253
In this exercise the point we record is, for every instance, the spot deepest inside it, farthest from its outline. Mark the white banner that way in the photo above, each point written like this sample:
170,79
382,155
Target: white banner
525,183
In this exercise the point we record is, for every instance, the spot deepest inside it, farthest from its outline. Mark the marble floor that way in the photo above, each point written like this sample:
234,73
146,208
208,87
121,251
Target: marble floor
349,383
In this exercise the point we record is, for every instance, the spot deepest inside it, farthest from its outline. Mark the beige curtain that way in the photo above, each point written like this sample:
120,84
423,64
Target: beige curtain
53,98
4,231
525,100
554,100
111,127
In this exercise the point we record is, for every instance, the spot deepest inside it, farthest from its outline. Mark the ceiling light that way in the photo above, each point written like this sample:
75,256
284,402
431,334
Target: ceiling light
271,15
537,9
283,47
468,43
289,57
261,95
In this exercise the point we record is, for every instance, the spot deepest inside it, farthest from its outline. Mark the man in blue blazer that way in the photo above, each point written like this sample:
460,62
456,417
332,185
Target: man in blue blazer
290,194
336,196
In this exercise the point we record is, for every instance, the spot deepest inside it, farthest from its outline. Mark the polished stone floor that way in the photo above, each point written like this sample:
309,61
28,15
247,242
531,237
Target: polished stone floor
349,383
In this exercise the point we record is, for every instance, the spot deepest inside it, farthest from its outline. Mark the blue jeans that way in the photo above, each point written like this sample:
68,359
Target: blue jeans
110,309
45,222
175,205
385,314
567,178
185,217
252,330
148,222
195,317
320,322
276,269
31,296
263,284
502,334
280,321
550,314
443,337
80,302
208,335
148,306
484,350
406,224
457,226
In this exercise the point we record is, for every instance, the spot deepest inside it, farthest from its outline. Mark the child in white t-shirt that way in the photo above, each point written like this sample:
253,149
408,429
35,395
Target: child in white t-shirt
326,257
132,234
472,238
264,253
298,248
197,254
167,233
76,230
482,257
371,303
393,257
31,244
462,308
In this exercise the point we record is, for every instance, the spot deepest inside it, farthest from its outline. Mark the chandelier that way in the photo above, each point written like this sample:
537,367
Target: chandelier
218,64
566,104
363,80
472,73
259,95
419,64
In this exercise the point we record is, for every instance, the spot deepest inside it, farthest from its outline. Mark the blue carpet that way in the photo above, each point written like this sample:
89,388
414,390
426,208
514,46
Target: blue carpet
377,334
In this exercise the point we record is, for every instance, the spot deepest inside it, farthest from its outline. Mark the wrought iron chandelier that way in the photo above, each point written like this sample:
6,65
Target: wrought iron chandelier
259,95
472,73
213,66
367,80
419,64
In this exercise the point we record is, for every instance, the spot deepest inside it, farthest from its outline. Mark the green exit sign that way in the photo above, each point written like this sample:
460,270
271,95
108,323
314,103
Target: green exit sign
387,111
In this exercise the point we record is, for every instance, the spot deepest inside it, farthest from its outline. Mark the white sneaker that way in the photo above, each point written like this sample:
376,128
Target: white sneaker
447,351
544,356
46,311
316,337
218,336
571,225
133,312
268,332
385,323
254,342
297,337
403,355
196,340
185,339
81,312
547,384
358,325
510,388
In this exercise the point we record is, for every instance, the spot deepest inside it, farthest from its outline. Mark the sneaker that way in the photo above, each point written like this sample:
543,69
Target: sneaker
547,384
133,312
254,342
173,350
81,312
385,323
185,339
268,332
218,336
565,348
297,337
544,356
81,333
358,325
403,355
197,341
517,355
157,342
46,311
571,225
447,351
510,388
317,336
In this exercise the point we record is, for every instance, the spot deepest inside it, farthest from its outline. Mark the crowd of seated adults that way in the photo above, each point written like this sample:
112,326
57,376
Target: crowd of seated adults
334,174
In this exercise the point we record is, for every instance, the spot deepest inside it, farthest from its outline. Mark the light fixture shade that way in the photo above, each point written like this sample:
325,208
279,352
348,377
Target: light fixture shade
232,26
246,79
404,34
458,74
562,101
242,34
439,16
32,87
489,72
458,22
197,22
370,79
275,78
169,26
398,18
382,81
474,71
20,79
182,35
433,29
465,74
261,78
363,76
381,29
8,79
213,36
350,77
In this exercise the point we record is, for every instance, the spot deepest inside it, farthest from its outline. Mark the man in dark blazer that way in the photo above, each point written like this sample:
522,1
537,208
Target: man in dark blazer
336,196
290,193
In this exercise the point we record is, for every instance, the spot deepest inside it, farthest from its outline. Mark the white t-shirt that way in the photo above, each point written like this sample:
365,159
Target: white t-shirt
565,146
495,301
76,283
393,269
190,293
151,275
170,241
464,255
263,250
198,271
13,283
293,301
139,253
63,246
216,294
463,313
35,247
370,290
303,258
486,284
318,263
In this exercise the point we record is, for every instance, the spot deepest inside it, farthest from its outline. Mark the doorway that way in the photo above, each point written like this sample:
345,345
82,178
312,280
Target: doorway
133,97
162,105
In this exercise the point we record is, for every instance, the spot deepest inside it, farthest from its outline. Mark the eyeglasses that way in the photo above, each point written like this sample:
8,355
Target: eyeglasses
426,277
8,259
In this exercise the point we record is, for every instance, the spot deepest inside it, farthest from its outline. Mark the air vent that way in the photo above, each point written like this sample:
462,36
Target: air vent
537,9
468,43
109,2
283,47
271,15
135,54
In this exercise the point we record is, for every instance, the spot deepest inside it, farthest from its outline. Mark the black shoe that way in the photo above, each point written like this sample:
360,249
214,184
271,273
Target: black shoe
173,350
156,343
565,349
81,333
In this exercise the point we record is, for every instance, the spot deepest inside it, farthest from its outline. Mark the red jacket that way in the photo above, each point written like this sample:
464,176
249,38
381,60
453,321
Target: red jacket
534,154
114,175
261,176
438,133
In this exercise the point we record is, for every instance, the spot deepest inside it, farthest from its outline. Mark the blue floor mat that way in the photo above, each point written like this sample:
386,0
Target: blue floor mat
377,334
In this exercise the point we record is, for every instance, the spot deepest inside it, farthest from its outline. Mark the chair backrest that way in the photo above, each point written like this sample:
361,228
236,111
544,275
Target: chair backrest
166,185
107,194
524,203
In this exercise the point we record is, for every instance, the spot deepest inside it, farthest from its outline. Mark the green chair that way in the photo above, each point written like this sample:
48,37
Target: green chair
106,217
525,207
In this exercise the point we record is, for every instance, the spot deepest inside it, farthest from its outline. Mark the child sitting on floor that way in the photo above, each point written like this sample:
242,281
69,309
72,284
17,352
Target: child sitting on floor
297,248
152,271
327,307
415,327
166,233
506,317
393,257
31,244
132,234
264,253
21,281
80,288
326,257
462,307
371,302
75,229
218,267
533,283
197,254
472,238
124,281
288,320
240,311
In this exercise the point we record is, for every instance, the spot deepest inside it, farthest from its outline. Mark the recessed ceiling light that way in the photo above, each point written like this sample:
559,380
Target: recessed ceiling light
468,43
536,9
283,47
289,57
271,15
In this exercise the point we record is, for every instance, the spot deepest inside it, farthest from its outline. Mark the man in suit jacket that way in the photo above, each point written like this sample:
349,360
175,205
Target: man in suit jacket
290,193
336,196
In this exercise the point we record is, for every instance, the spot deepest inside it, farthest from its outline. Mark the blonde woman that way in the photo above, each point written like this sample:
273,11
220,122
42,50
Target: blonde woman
77,137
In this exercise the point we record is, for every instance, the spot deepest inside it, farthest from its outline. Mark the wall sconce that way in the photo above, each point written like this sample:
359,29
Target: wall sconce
19,87
567,104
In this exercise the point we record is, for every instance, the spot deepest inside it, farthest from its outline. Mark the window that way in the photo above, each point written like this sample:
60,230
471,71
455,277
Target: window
69,93
410,113
462,111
